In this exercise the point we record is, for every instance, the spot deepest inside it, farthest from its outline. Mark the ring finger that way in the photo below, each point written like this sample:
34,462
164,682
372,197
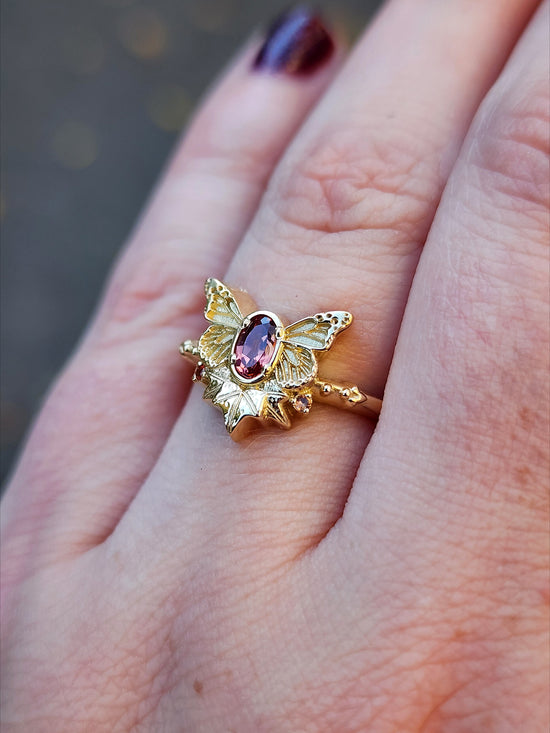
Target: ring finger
341,227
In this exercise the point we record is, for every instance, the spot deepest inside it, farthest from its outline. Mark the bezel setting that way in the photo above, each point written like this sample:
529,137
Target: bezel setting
268,368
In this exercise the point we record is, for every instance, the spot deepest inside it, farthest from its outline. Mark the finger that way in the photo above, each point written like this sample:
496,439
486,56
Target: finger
456,483
103,426
341,227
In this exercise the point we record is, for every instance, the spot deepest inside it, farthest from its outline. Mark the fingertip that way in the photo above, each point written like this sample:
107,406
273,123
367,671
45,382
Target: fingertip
298,42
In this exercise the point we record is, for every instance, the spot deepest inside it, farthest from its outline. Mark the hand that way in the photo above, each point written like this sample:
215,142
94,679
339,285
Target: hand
159,577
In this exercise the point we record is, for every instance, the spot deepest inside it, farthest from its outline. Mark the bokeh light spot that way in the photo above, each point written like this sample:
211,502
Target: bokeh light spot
143,33
75,145
169,107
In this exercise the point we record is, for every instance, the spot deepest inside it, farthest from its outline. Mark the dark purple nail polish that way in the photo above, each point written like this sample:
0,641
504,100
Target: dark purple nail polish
296,43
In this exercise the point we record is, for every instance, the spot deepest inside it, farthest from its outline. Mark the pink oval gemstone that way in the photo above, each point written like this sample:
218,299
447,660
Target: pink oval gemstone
255,346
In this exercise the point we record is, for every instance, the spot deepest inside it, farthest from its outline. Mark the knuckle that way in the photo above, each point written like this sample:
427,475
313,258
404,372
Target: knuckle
152,295
352,179
512,149
151,282
231,145
216,157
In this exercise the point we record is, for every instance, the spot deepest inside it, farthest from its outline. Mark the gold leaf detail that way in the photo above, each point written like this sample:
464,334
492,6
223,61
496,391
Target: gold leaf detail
273,408
238,403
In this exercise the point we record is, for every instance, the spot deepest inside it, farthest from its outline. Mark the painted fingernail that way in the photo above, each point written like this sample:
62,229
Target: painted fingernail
296,43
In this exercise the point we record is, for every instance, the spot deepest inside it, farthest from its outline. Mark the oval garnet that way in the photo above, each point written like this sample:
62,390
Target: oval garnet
255,346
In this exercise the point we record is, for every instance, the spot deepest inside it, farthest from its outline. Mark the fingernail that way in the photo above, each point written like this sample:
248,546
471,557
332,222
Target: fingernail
296,43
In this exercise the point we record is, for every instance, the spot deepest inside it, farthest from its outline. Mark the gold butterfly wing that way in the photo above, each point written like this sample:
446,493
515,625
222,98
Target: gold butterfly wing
297,363
223,312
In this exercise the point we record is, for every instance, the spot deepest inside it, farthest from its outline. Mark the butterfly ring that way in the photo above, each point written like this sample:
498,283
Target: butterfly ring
254,368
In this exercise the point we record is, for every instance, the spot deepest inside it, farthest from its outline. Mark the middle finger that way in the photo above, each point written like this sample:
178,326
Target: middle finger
341,227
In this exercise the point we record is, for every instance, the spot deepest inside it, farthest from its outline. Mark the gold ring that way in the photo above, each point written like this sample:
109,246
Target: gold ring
255,368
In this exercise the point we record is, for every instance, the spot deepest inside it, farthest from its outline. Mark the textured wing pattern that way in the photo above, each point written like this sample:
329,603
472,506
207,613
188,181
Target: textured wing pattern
318,331
295,366
215,344
221,306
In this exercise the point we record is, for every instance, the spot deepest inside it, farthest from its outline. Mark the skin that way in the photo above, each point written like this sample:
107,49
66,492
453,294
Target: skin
158,577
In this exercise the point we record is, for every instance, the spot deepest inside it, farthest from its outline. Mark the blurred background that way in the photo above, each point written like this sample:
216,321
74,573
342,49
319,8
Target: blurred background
93,94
